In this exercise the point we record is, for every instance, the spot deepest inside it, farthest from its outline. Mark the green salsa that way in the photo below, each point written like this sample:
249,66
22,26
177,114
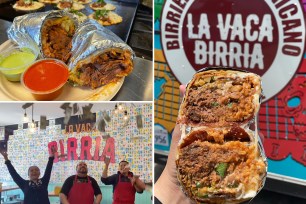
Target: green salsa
14,64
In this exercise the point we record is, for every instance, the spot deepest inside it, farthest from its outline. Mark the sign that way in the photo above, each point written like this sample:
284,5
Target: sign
263,37
160,136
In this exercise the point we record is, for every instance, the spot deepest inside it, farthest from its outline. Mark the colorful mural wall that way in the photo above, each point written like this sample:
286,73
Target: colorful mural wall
131,142
282,114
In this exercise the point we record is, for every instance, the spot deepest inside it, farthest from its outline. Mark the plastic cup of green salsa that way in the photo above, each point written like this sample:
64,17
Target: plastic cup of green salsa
15,60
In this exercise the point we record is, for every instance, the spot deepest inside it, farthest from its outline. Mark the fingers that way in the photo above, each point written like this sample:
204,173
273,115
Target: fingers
182,92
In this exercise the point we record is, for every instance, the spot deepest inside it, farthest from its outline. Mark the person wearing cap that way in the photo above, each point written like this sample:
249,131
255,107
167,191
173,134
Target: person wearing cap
125,184
80,188
35,189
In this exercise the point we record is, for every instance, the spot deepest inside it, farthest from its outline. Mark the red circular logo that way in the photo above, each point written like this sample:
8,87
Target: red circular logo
242,34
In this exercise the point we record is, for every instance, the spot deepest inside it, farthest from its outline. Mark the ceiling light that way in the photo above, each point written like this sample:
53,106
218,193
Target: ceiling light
25,117
120,107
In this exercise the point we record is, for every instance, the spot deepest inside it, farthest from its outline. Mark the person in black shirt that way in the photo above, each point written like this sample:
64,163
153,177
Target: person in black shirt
80,188
35,189
125,184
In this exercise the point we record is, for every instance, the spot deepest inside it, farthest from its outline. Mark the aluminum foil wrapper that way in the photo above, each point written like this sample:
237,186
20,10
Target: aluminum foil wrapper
25,30
91,37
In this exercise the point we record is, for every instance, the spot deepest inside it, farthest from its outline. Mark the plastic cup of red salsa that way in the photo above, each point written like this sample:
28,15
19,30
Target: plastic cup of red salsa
45,79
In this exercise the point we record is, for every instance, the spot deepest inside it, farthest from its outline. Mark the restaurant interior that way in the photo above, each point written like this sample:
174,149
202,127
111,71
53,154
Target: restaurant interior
121,130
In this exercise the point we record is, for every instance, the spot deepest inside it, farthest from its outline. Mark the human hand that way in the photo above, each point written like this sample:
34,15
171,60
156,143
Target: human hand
53,151
167,184
106,160
4,154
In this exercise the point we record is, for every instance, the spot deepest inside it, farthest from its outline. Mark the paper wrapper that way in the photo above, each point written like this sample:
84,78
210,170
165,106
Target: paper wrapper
26,30
202,175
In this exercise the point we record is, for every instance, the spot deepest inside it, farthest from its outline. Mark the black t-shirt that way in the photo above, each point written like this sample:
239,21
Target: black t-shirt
70,180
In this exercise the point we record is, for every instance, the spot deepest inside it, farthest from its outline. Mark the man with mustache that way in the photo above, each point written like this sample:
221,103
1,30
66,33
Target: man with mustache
80,188
125,184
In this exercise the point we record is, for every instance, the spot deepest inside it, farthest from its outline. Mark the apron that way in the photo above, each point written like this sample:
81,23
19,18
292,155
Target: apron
81,193
124,193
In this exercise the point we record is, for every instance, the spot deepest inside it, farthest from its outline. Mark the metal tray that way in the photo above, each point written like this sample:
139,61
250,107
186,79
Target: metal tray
126,9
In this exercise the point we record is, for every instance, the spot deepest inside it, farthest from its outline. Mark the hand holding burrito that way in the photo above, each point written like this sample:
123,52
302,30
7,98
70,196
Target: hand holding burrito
219,158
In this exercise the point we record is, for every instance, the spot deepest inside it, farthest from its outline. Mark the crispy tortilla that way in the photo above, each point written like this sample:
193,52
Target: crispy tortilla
102,68
83,2
112,19
56,38
75,6
35,6
109,7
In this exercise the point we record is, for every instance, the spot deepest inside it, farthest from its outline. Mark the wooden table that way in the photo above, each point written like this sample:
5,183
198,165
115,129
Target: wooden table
7,188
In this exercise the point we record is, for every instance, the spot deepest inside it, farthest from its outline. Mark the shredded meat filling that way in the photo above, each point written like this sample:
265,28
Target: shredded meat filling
65,4
221,100
199,170
23,3
105,68
57,38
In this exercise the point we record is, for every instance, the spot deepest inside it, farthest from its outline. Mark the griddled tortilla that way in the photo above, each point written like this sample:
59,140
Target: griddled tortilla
34,6
74,6
219,159
107,6
102,67
49,1
83,1
111,19
56,37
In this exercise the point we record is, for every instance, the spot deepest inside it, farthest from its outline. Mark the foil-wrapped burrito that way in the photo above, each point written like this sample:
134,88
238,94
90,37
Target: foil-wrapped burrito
94,54
99,56
220,158
51,32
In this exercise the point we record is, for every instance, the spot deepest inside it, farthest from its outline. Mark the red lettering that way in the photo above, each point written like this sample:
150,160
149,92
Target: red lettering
86,143
180,3
173,17
291,9
280,3
171,45
71,148
97,148
63,158
291,24
291,50
109,150
50,145
172,28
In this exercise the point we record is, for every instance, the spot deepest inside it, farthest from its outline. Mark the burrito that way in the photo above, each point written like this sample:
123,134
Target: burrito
56,37
219,157
102,67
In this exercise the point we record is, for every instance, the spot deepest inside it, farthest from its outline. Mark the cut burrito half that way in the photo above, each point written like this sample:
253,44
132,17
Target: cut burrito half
220,165
220,97
102,67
